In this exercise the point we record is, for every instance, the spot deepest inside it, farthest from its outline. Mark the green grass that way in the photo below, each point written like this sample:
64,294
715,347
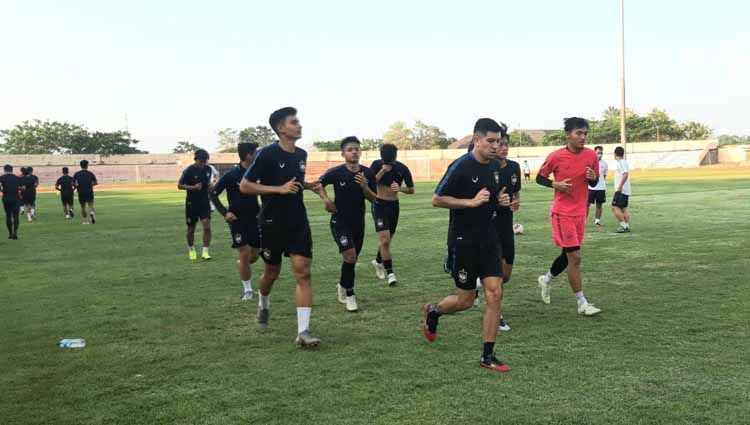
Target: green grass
169,341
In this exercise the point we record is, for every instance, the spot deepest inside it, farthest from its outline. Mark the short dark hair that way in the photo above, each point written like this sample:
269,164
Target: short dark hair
8,168
29,170
65,170
388,153
574,123
485,125
278,116
24,171
619,151
245,148
84,164
200,155
598,148
346,140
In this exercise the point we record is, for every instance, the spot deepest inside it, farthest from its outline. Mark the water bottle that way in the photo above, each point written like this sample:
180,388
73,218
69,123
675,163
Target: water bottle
72,343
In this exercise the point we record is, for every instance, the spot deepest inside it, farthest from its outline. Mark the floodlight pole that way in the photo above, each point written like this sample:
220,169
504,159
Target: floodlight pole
623,138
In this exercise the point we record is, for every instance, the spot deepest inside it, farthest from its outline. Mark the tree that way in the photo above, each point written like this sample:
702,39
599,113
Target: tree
185,146
729,139
400,135
327,145
692,130
371,144
260,134
520,138
228,139
554,138
52,137
427,136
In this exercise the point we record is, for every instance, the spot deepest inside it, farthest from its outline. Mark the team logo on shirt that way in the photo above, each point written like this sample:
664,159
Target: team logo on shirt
497,177
238,238
342,184
344,240
302,166
462,275
513,179
282,164
475,179
267,254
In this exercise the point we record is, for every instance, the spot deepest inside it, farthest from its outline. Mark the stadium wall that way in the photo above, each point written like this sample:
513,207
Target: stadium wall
425,165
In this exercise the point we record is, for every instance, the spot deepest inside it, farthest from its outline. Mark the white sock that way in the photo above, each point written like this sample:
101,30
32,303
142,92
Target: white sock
264,301
581,299
303,319
191,248
248,284
479,284
623,224
597,221
549,275
626,225
205,250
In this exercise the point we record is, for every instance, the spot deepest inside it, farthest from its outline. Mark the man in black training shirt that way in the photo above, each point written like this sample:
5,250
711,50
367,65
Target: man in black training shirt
389,175
85,182
471,190
352,183
195,180
241,215
10,185
278,175
66,186
28,195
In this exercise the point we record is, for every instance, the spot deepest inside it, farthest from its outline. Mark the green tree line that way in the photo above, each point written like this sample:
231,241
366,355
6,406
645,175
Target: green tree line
53,137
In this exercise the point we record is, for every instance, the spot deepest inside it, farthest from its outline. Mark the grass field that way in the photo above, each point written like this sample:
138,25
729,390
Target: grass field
170,342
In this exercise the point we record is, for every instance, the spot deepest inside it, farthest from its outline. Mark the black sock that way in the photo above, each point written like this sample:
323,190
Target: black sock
489,349
432,319
559,265
378,258
347,278
388,266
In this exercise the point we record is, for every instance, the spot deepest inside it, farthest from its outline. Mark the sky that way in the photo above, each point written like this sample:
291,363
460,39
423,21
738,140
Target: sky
183,70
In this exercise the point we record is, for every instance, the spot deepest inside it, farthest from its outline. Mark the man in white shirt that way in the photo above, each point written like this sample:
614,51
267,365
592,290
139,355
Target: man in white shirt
622,191
597,193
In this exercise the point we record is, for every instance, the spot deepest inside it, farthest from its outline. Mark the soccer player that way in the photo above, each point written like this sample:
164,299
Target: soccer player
471,189
575,168
10,185
278,175
352,183
622,191
85,182
29,182
195,180
66,185
241,215
597,194
389,176
23,175
526,170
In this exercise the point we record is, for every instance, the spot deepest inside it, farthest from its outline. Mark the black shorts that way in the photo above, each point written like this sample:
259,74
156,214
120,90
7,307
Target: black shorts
506,240
29,198
348,235
385,215
597,197
527,175
196,211
277,239
66,199
469,262
11,207
84,198
244,232
620,200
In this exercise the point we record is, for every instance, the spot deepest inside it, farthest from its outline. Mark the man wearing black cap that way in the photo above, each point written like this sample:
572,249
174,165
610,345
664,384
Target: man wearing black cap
195,180
278,176
389,175
10,185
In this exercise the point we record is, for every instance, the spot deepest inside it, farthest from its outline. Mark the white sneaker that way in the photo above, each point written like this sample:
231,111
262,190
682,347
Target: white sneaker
379,269
503,325
392,281
247,296
545,287
588,309
341,293
351,303
476,301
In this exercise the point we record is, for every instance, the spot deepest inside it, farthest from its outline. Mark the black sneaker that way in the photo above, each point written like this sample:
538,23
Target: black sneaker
494,364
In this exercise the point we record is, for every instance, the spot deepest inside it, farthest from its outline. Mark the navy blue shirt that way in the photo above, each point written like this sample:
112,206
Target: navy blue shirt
66,185
464,179
191,176
274,166
9,185
30,182
510,179
241,205
350,198
399,173
85,180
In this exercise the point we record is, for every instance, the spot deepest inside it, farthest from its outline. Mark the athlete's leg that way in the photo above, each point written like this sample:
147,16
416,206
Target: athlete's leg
460,300
301,269
347,270
206,232
190,230
574,270
493,294
244,254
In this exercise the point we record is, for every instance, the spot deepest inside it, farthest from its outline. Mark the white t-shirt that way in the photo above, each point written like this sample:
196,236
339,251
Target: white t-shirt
526,168
602,184
622,167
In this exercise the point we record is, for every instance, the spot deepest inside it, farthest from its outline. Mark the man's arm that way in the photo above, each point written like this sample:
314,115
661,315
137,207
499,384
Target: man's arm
94,182
408,182
254,188
215,192
449,202
58,186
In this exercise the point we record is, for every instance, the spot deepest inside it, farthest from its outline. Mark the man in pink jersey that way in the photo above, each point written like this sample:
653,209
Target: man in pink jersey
575,169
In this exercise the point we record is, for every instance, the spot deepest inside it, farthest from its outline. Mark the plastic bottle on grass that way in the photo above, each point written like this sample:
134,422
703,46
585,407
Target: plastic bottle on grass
72,343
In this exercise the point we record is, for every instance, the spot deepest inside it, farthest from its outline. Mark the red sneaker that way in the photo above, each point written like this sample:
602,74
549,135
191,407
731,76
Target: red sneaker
494,364
431,336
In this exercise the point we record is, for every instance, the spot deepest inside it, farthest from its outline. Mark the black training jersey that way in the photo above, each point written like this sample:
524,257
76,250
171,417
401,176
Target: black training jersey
399,173
350,198
273,166
463,180
65,184
191,176
29,183
240,204
85,181
510,179
9,185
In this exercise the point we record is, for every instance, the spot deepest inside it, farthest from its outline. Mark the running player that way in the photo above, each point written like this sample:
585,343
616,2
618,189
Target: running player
10,185
23,175
622,191
597,194
195,180
85,182
66,185
471,189
30,182
278,175
352,183
526,170
389,175
575,168
241,215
